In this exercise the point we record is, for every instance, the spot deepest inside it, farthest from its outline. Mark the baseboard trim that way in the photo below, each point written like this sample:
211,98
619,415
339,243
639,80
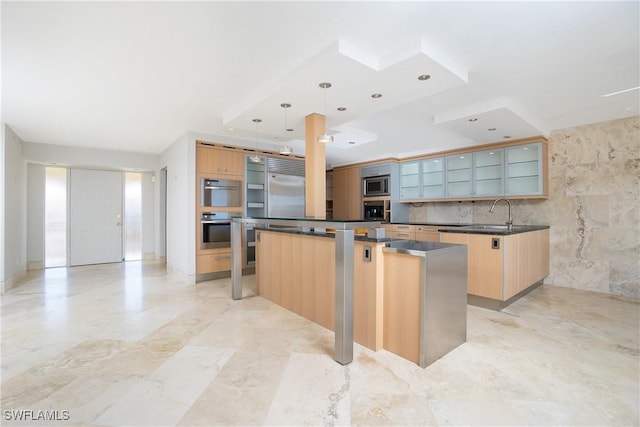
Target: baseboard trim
13,280
497,305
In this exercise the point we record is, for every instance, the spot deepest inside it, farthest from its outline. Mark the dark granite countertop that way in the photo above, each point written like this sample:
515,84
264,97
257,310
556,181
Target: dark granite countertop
477,228
327,235
437,224
494,229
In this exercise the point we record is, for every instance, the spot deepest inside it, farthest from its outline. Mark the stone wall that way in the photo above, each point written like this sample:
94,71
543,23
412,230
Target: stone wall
593,208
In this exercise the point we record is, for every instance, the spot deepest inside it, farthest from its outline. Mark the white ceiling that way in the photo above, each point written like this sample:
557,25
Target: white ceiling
137,75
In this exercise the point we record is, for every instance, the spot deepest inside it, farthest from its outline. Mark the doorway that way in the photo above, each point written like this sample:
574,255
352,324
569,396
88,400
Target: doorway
132,216
55,217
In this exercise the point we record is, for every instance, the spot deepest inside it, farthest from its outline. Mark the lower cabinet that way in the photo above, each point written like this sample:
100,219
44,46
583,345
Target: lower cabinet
427,233
500,267
400,231
297,272
213,263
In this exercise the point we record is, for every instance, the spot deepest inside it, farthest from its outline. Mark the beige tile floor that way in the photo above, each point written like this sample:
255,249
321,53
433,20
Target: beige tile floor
124,344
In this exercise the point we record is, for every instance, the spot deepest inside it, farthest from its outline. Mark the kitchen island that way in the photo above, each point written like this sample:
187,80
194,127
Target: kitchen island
343,271
505,263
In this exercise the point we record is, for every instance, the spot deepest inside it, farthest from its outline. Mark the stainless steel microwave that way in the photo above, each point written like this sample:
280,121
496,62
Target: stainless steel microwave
375,186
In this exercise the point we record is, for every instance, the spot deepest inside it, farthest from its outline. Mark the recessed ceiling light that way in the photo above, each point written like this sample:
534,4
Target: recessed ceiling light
491,129
473,119
424,77
462,157
230,129
507,136
620,91
342,108
525,148
376,95
491,153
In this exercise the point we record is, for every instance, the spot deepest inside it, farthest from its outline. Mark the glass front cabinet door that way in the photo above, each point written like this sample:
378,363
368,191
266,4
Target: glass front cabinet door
523,170
432,178
459,176
488,170
410,180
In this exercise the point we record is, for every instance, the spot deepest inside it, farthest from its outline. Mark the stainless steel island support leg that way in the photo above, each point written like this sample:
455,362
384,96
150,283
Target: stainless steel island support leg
344,297
236,260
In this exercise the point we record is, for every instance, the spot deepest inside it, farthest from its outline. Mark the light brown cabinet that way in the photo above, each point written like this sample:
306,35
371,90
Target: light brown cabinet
400,231
214,162
213,263
401,324
297,272
427,233
347,194
499,267
219,161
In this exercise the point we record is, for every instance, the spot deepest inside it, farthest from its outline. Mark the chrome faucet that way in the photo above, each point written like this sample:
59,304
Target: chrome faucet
509,220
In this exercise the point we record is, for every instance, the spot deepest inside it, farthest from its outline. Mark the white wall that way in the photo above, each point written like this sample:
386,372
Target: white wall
35,216
179,159
149,182
160,212
2,204
63,156
15,223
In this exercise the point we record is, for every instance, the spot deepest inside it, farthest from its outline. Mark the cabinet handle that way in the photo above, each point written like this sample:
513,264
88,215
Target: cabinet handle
221,257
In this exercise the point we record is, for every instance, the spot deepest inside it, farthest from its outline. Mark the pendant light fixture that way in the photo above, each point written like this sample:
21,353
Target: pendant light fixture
254,158
325,138
286,149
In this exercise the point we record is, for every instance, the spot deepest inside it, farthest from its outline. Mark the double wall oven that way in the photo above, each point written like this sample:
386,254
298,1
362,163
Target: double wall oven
218,197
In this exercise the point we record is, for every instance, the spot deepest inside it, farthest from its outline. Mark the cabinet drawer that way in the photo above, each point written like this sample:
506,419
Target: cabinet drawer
213,263
427,233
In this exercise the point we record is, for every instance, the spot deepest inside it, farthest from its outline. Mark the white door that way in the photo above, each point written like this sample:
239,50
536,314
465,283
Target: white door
95,216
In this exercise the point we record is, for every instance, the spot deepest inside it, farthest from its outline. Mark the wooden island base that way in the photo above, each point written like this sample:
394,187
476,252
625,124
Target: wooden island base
297,272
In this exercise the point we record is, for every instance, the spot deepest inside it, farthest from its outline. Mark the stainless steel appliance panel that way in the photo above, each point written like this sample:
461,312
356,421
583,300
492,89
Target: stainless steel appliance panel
220,193
285,196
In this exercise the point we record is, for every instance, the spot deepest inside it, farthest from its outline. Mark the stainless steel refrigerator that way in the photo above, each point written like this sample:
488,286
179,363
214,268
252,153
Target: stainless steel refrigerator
285,194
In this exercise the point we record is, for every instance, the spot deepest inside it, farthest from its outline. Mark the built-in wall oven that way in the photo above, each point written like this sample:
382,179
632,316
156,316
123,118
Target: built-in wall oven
374,210
220,193
216,230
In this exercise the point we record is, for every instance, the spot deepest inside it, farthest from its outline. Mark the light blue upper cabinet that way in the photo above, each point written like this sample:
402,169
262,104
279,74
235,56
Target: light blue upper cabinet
410,180
505,170
488,172
422,179
523,171
432,178
459,175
